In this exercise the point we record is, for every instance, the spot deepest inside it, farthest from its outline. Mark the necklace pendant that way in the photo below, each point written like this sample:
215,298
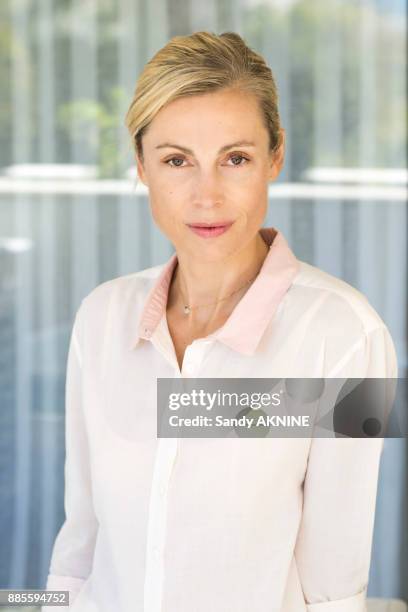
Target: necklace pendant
186,309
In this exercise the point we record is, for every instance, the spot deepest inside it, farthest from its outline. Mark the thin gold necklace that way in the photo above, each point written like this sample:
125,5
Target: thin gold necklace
187,309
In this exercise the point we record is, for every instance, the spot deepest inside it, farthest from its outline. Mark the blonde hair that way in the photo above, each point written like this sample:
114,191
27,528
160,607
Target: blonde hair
200,63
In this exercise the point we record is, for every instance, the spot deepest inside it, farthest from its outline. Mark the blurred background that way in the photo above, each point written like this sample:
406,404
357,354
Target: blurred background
72,215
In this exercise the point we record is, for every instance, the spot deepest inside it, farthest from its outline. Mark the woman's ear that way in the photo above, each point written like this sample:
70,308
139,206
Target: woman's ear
140,169
278,157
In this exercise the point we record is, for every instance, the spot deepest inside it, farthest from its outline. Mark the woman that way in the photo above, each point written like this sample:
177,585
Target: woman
202,524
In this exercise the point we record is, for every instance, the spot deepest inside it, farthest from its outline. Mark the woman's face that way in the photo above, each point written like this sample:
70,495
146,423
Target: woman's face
207,160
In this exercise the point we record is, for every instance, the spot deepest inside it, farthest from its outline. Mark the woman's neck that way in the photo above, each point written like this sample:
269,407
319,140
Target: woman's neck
207,284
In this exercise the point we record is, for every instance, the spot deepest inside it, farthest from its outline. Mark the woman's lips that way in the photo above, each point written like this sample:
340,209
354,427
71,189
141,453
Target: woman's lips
210,231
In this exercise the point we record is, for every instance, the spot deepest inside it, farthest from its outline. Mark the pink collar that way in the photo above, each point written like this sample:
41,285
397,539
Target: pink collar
244,328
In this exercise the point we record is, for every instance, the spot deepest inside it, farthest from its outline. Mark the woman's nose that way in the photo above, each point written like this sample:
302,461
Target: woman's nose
208,190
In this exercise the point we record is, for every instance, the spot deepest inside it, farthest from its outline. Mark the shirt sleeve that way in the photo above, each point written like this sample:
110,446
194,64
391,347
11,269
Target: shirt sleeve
72,554
333,547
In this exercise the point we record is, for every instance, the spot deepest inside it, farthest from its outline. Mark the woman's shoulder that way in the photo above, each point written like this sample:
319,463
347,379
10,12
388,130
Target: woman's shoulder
334,297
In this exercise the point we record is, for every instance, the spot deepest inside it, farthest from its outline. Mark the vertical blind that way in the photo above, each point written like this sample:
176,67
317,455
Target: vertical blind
72,214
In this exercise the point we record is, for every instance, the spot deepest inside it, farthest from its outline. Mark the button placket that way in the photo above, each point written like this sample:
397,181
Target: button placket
194,356
156,532
162,489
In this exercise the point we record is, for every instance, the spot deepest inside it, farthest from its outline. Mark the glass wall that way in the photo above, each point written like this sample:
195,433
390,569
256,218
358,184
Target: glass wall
72,215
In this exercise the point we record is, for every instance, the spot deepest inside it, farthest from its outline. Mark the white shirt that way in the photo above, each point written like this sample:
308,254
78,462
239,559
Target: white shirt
216,525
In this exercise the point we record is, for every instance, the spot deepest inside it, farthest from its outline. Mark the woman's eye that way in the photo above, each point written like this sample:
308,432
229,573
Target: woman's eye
239,157
172,159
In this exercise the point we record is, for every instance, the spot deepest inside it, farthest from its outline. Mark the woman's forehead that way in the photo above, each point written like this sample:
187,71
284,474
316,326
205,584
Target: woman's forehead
202,120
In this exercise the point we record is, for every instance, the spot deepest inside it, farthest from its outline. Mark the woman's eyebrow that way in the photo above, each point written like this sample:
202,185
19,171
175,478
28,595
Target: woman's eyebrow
240,143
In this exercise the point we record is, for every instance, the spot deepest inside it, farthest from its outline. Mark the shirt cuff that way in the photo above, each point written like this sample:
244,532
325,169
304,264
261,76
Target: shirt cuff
63,583
356,603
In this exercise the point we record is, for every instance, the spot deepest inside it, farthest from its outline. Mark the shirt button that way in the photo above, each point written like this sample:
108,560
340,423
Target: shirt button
156,553
162,490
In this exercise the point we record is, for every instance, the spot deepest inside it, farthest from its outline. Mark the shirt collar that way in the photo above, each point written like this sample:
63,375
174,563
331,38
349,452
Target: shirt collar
245,326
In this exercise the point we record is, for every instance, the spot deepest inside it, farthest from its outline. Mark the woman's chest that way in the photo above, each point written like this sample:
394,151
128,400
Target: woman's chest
246,480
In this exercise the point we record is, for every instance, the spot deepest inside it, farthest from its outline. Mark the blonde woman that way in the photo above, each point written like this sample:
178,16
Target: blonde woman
214,525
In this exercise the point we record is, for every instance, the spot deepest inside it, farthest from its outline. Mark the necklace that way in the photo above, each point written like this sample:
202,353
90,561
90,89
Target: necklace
187,308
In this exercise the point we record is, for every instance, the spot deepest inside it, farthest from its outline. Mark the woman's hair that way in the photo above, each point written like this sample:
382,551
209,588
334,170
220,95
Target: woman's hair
197,64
